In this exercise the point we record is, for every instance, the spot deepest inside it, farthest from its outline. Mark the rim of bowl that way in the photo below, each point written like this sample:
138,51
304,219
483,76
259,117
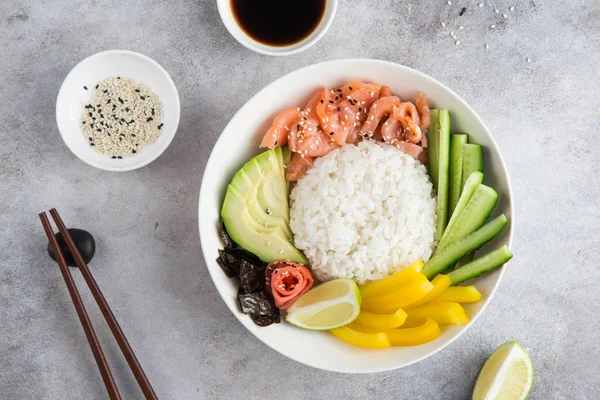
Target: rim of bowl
501,161
247,41
177,106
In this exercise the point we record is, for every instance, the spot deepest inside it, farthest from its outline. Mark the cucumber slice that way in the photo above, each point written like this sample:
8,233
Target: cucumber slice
465,260
438,136
472,183
442,260
472,160
472,217
480,266
456,169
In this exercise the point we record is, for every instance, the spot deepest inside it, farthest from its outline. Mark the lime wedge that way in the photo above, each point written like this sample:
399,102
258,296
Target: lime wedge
328,306
507,374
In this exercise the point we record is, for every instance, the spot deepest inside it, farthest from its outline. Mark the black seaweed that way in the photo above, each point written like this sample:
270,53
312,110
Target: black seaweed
252,297
229,244
257,304
252,276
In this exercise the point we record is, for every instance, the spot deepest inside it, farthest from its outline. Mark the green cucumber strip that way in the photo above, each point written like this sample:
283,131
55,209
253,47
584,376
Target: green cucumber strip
456,169
472,217
442,260
467,258
469,188
480,266
472,160
440,132
433,145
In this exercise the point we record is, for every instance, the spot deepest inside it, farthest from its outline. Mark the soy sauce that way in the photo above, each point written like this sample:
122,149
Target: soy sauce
278,22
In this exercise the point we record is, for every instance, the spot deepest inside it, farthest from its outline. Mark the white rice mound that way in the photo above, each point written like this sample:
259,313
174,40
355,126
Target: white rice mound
363,212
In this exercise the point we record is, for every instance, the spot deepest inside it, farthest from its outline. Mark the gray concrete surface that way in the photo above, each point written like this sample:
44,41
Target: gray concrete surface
544,115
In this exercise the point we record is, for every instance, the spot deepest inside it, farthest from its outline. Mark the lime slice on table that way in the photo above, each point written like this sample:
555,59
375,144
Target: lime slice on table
331,305
506,375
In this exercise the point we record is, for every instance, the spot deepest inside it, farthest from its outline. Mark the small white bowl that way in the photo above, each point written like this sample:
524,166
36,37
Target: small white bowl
239,143
72,97
241,36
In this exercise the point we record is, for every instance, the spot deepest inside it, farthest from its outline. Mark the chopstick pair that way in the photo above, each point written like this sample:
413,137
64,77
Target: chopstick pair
126,349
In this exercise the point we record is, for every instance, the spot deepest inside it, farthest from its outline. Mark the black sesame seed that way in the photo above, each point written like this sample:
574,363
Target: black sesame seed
97,105
105,90
149,119
322,101
133,151
137,90
99,130
360,109
122,119
97,86
339,109
113,157
462,11
331,133
339,90
121,100
276,142
132,121
119,157
90,139
118,77
92,144
331,101
94,118
83,123
350,87
153,111
108,101
85,87
298,126
127,109
90,114
142,97
133,134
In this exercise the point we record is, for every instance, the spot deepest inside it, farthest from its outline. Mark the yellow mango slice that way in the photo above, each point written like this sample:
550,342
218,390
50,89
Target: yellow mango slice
383,286
460,294
380,322
440,284
442,312
399,297
424,333
361,339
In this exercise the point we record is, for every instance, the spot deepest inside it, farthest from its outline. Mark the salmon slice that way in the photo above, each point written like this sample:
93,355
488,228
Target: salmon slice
297,167
380,109
413,150
386,91
423,109
277,135
408,115
391,129
287,281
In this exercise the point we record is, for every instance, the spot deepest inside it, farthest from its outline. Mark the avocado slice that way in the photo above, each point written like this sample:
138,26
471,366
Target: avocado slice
256,210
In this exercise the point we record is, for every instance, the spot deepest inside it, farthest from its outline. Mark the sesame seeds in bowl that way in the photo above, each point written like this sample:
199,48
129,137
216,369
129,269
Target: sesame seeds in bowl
118,110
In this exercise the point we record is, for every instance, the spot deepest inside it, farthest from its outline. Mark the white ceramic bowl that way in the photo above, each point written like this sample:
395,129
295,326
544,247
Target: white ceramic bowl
72,97
239,142
241,36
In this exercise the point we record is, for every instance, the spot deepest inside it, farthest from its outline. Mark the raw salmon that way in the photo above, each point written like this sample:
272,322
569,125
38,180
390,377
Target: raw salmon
287,281
277,135
297,167
380,109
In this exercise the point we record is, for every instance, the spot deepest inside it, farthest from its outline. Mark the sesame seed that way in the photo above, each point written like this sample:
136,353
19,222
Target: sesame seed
461,27
452,33
457,43
504,16
372,117
443,24
528,59
269,243
480,4
496,11
280,252
375,105
492,26
449,2
487,46
512,8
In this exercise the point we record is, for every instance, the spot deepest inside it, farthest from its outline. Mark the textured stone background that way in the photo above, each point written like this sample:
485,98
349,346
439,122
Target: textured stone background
544,115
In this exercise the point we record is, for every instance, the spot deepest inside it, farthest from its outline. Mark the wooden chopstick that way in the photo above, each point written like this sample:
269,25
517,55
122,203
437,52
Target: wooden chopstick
111,320
107,377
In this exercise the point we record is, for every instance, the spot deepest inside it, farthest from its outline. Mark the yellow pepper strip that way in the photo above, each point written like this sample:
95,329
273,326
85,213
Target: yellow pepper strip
361,339
460,294
399,297
385,285
360,328
425,333
381,322
442,312
440,284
